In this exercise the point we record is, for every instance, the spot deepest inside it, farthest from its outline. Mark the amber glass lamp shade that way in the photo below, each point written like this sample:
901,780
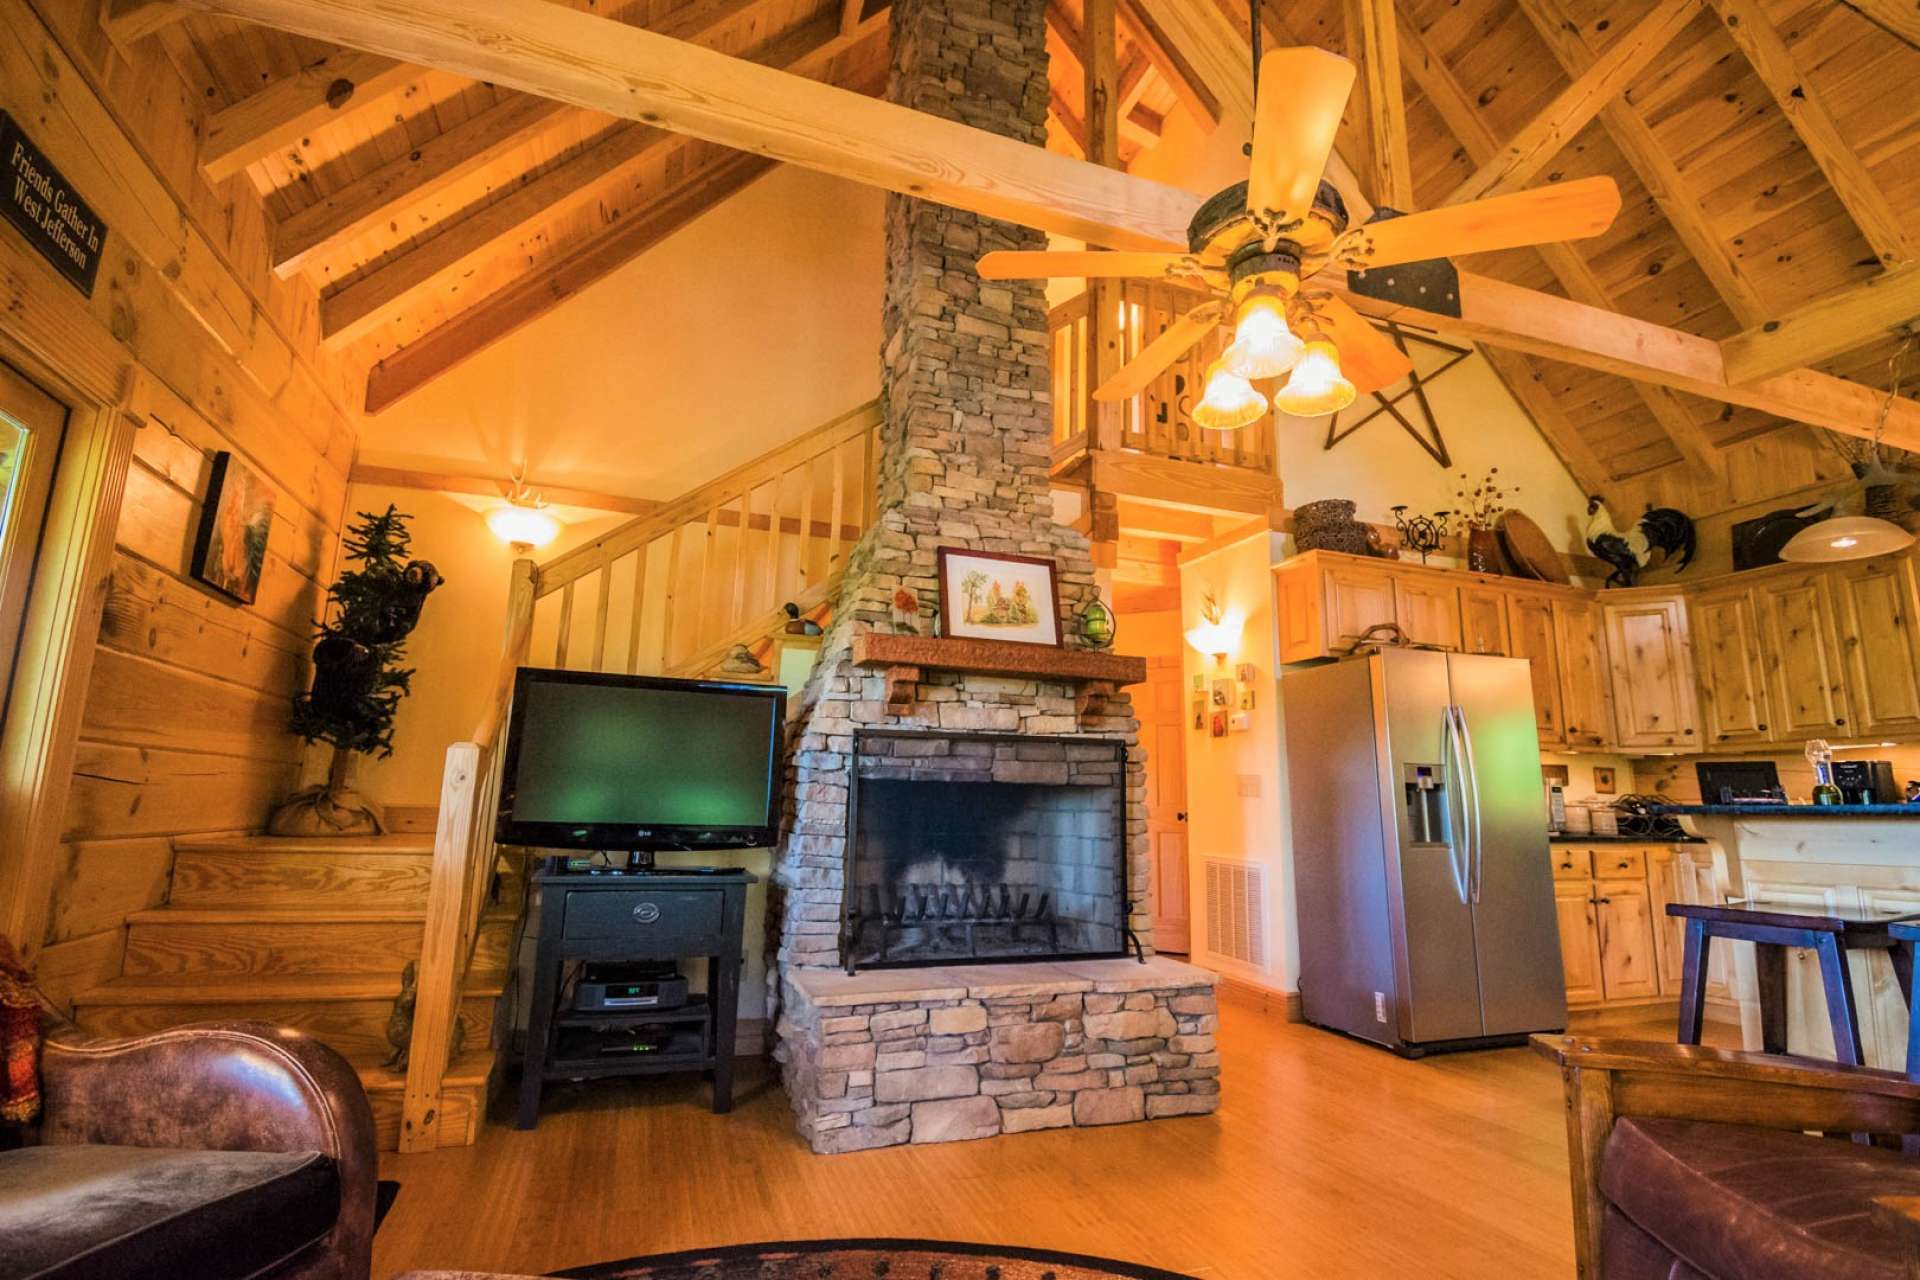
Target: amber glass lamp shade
1316,385
1263,346
1230,402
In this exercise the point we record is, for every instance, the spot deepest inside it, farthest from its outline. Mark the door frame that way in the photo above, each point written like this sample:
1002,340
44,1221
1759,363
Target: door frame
58,635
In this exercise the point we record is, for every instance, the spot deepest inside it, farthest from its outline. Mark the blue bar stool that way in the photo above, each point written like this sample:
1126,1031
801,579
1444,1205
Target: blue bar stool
1772,930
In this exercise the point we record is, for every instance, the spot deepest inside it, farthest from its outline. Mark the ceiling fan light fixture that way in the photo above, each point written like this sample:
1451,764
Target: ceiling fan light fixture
1846,538
1230,402
1263,346
1316,385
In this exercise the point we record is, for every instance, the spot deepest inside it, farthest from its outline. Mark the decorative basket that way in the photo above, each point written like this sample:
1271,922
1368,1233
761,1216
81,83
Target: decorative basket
1328,525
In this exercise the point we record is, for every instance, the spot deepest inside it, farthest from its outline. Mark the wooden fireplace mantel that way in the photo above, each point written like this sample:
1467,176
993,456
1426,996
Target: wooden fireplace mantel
1097,672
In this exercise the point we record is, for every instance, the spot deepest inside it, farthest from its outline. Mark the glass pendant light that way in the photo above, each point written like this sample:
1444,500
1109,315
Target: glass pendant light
1230,402
1316,386
1845,538
1263,346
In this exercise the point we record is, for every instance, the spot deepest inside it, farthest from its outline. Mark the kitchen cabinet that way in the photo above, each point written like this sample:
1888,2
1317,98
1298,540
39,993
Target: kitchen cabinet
1730,671
1611,901
1586,701
1875,607
1665,867
1358,598
1428,611
1483,620
1532,636
1804,683
1650,669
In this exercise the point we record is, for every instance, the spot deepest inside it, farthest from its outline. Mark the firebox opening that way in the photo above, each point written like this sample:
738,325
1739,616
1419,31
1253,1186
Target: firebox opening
967,849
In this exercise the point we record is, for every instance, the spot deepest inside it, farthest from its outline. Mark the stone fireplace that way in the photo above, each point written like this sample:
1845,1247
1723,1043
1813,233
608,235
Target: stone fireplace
941,790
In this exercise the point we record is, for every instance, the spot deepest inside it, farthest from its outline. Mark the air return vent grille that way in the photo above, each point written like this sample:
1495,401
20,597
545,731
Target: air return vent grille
1236,911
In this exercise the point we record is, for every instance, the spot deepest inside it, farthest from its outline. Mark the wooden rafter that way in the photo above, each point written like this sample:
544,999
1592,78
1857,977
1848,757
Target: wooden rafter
286,111
1373,41
538,292
1899,17
1827,326
1139,126
1469,128
1529,151
543,48
357,310
315,237
128,21
1192,89
1652,164
1806,110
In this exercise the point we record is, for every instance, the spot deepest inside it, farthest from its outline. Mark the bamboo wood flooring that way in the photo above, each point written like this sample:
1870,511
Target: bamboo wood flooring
1327,1159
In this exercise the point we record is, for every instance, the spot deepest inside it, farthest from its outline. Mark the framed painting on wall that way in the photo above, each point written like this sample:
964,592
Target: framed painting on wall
988,596
230,548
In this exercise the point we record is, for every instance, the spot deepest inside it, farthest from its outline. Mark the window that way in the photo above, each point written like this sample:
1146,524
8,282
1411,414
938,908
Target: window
31,425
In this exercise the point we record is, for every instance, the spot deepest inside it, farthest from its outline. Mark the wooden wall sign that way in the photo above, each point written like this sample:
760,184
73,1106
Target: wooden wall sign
38,199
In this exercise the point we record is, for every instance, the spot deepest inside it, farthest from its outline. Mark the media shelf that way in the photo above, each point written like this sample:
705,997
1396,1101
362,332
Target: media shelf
664,915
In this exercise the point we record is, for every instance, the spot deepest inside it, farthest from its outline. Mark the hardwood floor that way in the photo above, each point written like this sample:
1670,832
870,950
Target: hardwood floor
1327,1158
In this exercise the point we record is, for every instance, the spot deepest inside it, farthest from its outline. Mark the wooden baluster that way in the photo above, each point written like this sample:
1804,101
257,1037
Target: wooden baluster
603,603
836,460
639,607
703,581
673,595
566,626
737,590
806,524
438,979
776,538
869,469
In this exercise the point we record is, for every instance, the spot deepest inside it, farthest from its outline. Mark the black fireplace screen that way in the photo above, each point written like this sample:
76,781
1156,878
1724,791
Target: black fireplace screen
964,848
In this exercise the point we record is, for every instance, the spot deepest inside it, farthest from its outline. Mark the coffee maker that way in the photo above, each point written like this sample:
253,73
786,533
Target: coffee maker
1865,782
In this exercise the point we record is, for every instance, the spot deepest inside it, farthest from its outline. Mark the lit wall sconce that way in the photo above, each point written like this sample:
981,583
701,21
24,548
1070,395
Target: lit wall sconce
1217,632
523,521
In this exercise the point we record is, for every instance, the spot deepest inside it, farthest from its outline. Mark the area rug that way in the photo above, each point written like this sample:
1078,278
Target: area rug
869,1260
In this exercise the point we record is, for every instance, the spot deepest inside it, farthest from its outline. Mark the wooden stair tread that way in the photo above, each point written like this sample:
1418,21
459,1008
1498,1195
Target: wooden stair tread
227,988
468,1071
276,915
405,844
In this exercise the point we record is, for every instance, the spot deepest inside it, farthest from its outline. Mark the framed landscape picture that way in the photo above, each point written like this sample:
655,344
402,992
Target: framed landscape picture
988,596
230,548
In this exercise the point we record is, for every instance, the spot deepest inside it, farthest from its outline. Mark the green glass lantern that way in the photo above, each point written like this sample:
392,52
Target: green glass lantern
1097,624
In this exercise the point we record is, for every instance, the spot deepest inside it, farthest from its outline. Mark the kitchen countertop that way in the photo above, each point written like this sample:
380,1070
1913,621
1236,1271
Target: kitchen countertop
1795,810
1564,837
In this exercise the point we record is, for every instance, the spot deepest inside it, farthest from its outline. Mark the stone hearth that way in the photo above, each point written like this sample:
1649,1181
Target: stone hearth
884,1058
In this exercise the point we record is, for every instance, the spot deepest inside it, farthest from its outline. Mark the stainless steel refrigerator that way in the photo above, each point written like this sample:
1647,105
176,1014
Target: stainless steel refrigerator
1421,868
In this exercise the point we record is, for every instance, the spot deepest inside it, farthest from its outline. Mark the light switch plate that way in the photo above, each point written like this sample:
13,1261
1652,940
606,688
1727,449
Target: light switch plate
1250,785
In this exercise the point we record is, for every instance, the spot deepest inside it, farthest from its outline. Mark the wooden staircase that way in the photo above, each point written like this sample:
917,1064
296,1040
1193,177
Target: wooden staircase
310,934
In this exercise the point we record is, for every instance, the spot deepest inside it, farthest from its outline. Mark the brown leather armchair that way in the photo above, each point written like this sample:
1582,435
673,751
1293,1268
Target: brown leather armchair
1692,1163
220,1149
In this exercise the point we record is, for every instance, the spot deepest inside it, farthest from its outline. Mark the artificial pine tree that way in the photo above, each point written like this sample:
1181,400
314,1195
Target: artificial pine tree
358,679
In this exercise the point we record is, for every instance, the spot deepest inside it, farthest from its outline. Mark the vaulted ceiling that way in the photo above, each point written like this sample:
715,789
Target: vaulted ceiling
1768,153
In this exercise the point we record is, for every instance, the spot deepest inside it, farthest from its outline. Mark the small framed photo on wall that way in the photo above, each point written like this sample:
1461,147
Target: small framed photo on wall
988,596
1603,782
230,547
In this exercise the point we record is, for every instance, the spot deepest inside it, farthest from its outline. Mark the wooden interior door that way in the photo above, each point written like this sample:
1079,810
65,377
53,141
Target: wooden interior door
31,424
1163,731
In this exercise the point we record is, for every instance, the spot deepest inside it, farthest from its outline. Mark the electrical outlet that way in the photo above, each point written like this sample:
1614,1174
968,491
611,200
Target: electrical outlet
1379,1006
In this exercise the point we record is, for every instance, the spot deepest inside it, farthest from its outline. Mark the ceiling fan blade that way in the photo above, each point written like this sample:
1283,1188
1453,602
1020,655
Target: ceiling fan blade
1015,265
1303,93
1563,211
1159,355
1368,357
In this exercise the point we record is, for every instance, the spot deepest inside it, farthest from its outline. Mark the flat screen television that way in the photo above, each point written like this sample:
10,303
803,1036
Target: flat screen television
640,763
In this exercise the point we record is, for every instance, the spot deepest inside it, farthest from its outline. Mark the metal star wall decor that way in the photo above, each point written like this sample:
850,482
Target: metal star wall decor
1430,439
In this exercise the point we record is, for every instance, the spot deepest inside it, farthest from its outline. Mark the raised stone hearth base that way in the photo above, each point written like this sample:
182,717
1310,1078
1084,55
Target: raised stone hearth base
892,1056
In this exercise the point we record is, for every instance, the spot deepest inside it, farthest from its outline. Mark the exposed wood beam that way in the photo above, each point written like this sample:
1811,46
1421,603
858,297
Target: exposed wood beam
850,15
1135,78
493,487
543,48
1469,127
357,310
1898,17
1191,87
1655,167
1373,42
286,111
314,238
1135,123
1806,110
1543,137
1164,522
638,75
1828,326
127,22
534,294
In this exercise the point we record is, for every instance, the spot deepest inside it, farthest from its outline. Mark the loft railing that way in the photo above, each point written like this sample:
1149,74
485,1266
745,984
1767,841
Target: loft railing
1157,422
670,592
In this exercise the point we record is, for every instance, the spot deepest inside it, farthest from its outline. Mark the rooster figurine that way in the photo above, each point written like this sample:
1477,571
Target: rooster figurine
1662,529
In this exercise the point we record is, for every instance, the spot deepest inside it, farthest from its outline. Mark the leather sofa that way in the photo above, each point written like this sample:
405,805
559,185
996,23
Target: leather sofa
219,1151
1691,1163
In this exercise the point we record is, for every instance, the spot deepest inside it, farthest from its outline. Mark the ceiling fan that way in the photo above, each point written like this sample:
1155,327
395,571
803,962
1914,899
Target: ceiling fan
1252,245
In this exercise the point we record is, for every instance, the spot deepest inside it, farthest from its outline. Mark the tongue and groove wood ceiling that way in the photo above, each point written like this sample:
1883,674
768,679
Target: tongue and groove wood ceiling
1767,152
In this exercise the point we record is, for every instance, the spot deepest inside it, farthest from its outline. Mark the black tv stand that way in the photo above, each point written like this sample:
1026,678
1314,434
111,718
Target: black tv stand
618,914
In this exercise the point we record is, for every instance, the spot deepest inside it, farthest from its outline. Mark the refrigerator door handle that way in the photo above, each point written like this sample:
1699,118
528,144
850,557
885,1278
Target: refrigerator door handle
1478,852
1459,839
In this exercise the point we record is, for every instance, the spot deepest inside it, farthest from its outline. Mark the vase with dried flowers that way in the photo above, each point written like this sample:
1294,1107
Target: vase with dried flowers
906,612
1481,505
